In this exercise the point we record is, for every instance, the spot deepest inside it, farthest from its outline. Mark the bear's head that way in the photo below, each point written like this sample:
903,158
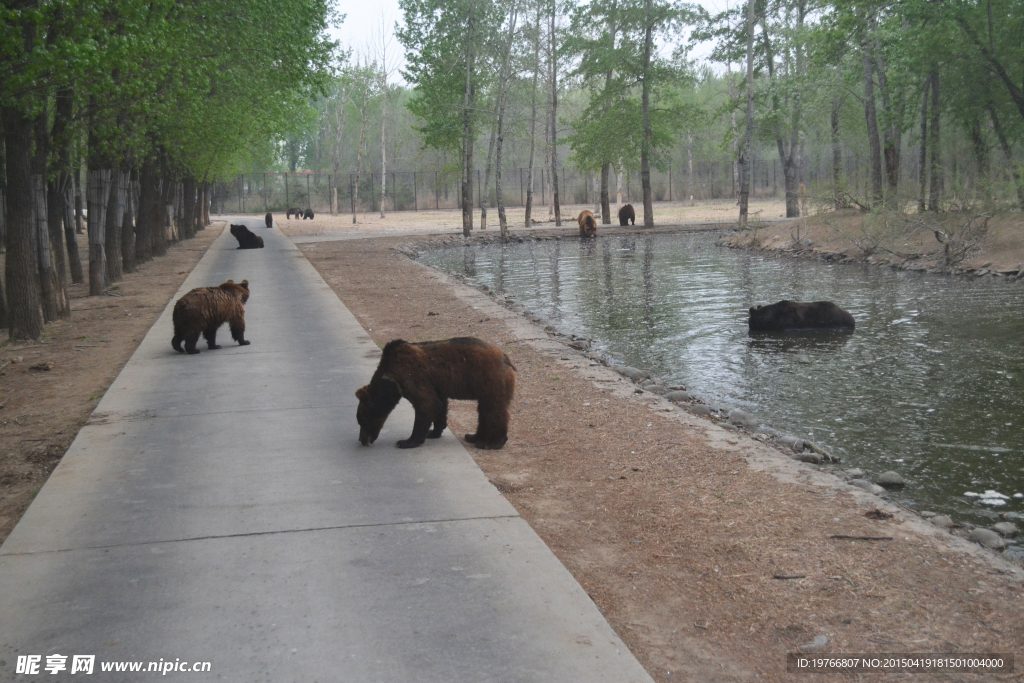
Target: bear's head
241,289
376,401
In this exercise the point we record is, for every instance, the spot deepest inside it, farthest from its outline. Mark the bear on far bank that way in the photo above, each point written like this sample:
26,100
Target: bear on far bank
588,226
796,316
247,239
428,374
204,309
308,214
627,215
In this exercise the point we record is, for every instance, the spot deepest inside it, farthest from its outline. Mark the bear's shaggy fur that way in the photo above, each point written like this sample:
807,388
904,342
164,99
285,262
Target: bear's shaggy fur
297,212
308,214
269,220
430,373
795,316
627,215
247,239
204,309
588,226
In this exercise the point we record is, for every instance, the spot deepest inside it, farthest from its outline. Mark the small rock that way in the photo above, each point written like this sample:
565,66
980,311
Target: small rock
742,419
816,644
631,373
648,383
657,389
700,409
678,396
811,457
676,387
866,486
729,428
926,514
856,473
789,440
891,480
1006,529
941,521
987,538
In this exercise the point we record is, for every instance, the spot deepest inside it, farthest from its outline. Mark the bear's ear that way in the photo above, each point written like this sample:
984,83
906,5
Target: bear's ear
244,284
230,282
361,393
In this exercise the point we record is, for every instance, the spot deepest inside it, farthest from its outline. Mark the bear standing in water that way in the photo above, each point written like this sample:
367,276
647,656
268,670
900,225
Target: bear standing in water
627,215
795,316
247,239
430,373
204,309
588,226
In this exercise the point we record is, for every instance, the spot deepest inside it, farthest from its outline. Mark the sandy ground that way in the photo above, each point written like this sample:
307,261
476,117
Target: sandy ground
49,388
444,221
680,530
901,241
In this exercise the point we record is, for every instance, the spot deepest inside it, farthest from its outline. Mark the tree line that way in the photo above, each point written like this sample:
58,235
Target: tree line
136,107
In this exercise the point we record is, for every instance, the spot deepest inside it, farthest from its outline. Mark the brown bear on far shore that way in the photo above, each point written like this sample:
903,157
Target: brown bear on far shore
795,316
430,373
627,215
269,220
297,212
588,226
247,239
308,214
205,309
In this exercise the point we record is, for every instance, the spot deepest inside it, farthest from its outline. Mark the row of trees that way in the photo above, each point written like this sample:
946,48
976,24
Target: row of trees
154,101
923,100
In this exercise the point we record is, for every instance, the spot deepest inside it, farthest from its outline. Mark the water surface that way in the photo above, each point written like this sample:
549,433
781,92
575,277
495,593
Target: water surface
930,385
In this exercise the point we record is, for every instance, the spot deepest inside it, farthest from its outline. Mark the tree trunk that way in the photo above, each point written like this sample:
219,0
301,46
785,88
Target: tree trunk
838,200
188,215
872,123
98,194
112,230
147,220
748,136
383,149
555,204
645,117
58,209
500,130
936,183
691,182
891,130
469,101
533,119
48,291
128,227
79,202
922,170
70,239
55,228
485,195
25,320
1004,143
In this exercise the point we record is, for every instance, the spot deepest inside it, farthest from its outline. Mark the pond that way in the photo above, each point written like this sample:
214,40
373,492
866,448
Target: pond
930,385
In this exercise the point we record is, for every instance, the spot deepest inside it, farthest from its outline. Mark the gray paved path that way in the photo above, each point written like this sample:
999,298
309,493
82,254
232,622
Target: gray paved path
220,508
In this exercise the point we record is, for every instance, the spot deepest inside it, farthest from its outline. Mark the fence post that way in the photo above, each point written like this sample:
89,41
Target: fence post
240,180
437,192
287,201
521,202
309,197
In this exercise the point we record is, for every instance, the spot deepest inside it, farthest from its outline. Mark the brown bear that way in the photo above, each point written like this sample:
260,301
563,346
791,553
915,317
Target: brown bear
269,220
297,212
308,214
588,226
795,316
430,373
627,215
204,309
247,239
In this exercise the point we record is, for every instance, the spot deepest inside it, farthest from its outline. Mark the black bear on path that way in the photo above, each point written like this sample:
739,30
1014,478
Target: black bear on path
795,316
627,215
247,239
430,373
269,220
308,214
297,212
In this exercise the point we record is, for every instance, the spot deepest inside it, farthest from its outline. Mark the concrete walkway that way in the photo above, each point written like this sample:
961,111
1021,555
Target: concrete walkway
220,508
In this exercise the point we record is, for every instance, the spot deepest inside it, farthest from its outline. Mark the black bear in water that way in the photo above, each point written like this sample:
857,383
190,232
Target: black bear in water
588,226
795,316
627,215
308,214
427,374
247,239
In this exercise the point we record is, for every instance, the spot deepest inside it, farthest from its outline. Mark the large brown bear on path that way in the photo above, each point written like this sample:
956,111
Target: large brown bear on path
247,239
430,373
795,316
627,215
205,309
588,226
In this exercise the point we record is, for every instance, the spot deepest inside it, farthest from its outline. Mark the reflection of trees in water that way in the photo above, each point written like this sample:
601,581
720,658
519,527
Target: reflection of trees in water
469,261
499,276
627,248
648,277
609,276
587,248
556,284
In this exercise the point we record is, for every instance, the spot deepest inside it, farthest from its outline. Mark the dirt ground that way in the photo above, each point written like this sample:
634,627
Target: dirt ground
447,220
901,241
710,554
49,388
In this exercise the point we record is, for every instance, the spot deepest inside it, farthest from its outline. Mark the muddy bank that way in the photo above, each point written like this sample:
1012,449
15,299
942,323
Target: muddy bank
711,554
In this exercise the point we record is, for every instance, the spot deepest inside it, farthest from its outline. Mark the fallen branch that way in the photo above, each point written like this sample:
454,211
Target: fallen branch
789,576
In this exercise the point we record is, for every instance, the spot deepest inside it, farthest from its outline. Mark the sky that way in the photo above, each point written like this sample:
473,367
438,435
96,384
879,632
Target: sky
362,25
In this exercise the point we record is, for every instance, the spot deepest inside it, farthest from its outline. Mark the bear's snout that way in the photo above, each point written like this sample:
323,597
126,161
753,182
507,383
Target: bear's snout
365,438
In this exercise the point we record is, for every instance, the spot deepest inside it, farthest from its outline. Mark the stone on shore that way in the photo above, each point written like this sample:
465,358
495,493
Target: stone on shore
856,473
891,480
941,520
1006,529
742,418
866,485
632,373
987,538
700,409
679,396
810,457
657,389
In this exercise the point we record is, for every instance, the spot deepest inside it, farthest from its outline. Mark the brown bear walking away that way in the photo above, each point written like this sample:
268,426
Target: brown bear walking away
247,239
588,226
308,214
627,215
204,309
796,316
430,373
269,220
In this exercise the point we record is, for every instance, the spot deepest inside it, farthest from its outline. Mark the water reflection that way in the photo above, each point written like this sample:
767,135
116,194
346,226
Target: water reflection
931,384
